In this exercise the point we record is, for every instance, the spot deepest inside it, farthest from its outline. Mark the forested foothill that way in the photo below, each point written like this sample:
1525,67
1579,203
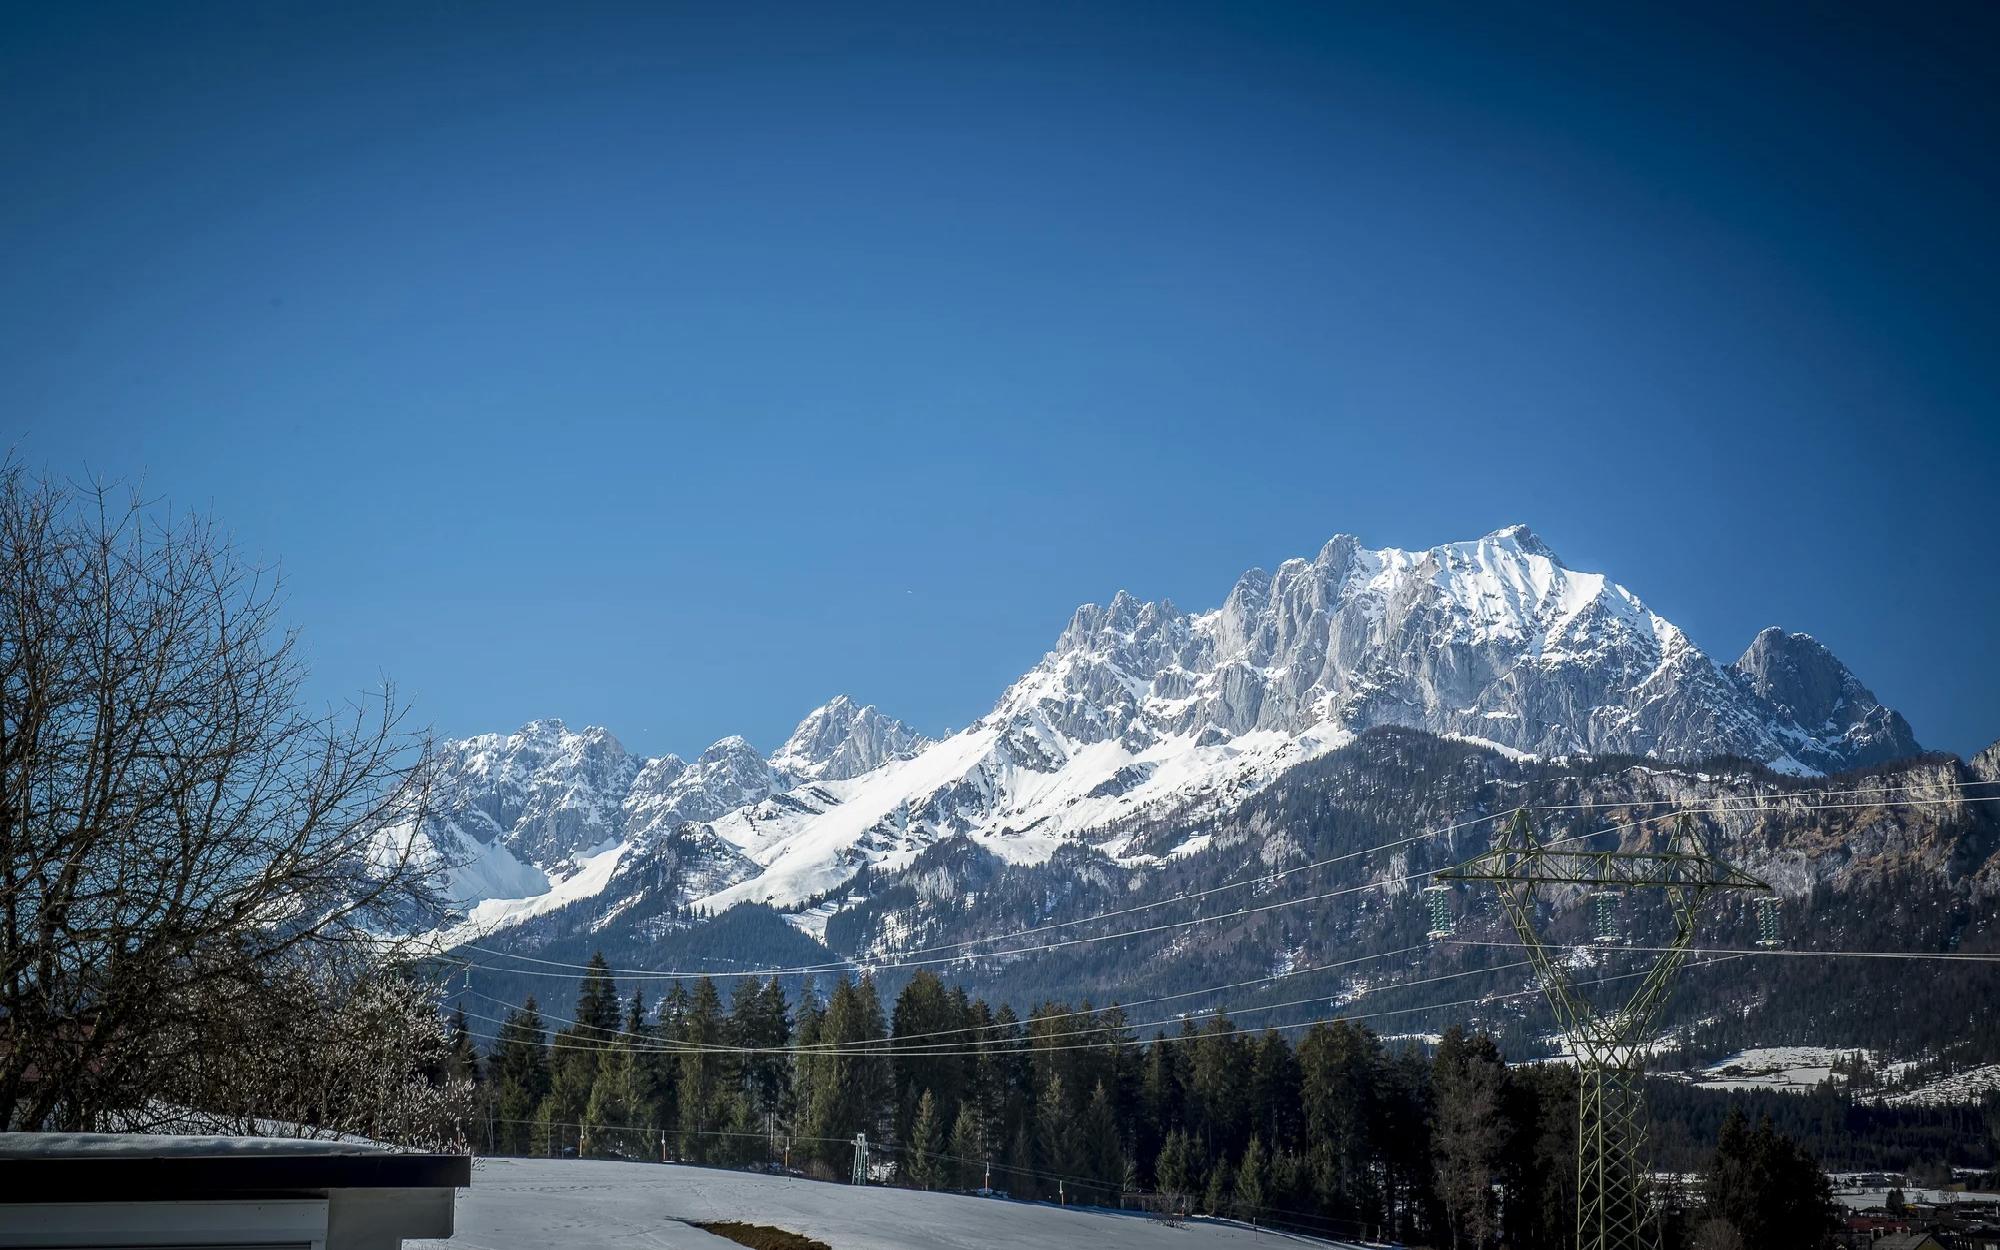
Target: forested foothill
1331,1129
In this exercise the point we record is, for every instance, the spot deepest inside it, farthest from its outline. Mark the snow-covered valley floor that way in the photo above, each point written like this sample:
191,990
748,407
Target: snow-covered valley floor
526,1204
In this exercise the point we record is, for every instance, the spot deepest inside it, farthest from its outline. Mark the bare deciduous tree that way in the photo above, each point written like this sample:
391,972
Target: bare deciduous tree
177,828
326,1043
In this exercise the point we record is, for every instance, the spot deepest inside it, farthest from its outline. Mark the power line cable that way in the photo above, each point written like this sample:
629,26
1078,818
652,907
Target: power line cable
842,965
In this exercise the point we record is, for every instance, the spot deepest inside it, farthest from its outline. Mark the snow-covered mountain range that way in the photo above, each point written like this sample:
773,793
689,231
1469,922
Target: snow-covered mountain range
1141,706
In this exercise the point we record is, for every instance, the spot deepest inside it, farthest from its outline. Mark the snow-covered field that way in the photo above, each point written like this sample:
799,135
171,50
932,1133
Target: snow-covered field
1775,1067
1802,1069
1966,1086
526,1204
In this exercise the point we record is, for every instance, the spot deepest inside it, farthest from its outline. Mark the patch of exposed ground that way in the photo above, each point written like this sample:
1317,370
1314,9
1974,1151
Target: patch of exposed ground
759,1236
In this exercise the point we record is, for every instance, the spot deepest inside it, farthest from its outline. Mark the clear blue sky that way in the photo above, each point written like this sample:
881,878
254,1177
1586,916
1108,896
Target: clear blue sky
675,368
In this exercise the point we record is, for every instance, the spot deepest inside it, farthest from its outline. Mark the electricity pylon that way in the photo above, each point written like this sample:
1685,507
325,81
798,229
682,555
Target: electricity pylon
1611,1206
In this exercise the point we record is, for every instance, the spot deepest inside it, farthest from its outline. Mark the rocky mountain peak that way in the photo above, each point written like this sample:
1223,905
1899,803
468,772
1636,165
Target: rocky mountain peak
1524,540
1803,682
543,791
734,747
1986,764
841,740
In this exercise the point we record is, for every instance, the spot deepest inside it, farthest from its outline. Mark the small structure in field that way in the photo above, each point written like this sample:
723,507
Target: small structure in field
142,1190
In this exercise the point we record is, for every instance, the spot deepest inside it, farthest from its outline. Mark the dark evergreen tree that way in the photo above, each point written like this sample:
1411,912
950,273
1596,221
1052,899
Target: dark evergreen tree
521,1061
1469,1136
924,1144
1174,1171
702,1087
1219,1109
464,1055
757,1022
1274,1089
1099,1146
933,1020
968,1147
1766,1189
1057,1156
1247,1195
597,1009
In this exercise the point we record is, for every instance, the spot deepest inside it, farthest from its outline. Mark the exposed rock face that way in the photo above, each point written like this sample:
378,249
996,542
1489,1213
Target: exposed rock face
841,740
1986,764
1806,686
728,775
1494,639
542,792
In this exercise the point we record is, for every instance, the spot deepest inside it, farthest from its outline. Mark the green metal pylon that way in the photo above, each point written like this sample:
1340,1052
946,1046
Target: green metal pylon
1612,1212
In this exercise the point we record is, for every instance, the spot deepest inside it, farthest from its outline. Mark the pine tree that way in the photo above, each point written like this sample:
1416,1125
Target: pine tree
701,1090
620,1119
1055,1135
1274,1090
464,1056
1767,1188
1215,1199
1341,1075
1159,1102
968,1145
926,1143
925,1014
757,1021
1103,1156
572,1077
521,1059
1470,1134
1248,1194
597,1003
1173,1172
1220,1113
805,1036
849,1091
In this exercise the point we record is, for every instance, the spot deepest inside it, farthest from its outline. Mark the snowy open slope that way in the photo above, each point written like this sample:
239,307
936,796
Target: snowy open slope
527,1204
1797,1068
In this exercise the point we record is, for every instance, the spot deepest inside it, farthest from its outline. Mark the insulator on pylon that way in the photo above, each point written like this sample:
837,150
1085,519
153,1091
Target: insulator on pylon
1438,899
1604,907
1767,920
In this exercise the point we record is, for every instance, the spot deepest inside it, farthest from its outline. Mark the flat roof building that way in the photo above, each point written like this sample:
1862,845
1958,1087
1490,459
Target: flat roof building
141,1191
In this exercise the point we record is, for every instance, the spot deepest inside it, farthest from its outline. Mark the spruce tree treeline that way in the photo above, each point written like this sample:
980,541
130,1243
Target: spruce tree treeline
1337,1134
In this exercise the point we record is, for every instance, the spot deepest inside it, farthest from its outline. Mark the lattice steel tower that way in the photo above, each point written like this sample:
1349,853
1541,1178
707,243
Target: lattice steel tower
1611,1206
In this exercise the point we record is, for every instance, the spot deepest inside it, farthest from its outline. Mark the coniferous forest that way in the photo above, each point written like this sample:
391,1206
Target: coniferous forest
1331,1130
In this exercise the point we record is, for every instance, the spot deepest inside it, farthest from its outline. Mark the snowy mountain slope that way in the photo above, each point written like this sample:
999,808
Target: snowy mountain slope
1142,707
541,792
524,823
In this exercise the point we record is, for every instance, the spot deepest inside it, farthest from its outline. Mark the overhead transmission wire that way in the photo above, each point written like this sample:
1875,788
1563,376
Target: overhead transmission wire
884,1047
1077,1011
935,1049
898,1043
843,965
892,1046
1062,943
1239,913
1977,957
1016,933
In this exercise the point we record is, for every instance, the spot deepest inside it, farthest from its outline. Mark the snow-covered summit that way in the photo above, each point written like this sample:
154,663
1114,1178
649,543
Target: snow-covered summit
541,791
1495,639
1142,706
841,740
